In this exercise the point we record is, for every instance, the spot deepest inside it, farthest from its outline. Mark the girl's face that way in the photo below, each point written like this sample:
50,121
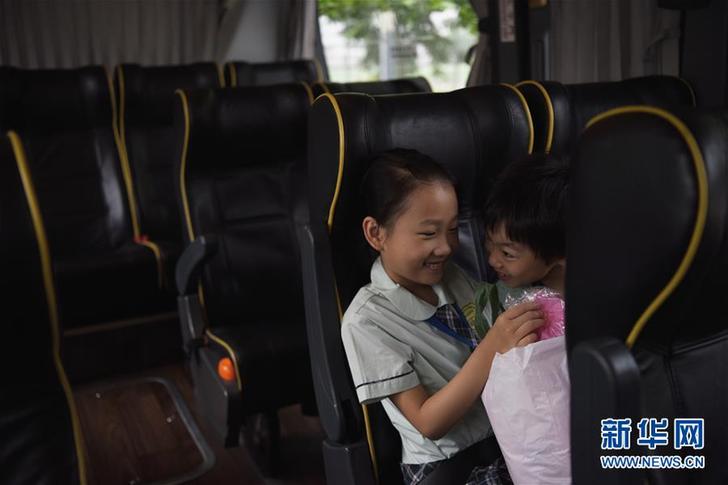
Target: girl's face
416,246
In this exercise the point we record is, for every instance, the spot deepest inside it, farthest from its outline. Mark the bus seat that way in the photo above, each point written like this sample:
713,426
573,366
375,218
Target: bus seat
239,73
146,112
105,272
473,132
649,339
560,111
241,175
41,438
392,86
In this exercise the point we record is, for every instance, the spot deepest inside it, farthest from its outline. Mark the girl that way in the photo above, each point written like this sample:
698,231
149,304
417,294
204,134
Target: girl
406,336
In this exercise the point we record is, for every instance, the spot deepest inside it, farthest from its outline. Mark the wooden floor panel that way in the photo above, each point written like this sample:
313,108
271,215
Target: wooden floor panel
135,435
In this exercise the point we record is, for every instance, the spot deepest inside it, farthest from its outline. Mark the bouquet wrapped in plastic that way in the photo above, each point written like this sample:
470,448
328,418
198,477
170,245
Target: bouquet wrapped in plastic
527,399
552,307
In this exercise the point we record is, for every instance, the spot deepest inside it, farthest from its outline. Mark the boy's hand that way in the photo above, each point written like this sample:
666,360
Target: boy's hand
516,326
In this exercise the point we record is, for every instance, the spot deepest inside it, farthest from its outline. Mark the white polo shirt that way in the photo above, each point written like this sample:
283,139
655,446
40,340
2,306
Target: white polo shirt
391,348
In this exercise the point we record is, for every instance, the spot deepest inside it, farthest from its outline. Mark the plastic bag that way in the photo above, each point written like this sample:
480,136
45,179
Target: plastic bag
527,400
552,307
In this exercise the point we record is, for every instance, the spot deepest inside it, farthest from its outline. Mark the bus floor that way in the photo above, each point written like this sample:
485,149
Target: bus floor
134,434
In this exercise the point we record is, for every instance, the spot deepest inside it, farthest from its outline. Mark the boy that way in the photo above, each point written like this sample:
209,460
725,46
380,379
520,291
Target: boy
525,232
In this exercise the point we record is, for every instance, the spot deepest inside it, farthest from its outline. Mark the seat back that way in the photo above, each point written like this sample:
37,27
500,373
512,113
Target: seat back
650,340
473,133
238,73
392,86
67,121
560,111
241,175
41,440
147,106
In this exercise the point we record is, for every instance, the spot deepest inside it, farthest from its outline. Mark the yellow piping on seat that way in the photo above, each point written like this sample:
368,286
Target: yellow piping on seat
528,115
190,230
50,292
690,88
120,132
122,105
319,70
308,91
220,75
340,173
549,109
701,212
183,163
329,225
125,169
233,74
324,87
158,256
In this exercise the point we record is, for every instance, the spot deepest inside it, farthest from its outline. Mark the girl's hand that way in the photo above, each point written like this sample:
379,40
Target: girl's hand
516,327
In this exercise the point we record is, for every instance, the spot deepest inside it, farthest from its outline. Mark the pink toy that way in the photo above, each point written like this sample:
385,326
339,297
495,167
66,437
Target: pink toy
552,307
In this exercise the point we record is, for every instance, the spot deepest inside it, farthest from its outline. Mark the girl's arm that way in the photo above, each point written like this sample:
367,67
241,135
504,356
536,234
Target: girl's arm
435,415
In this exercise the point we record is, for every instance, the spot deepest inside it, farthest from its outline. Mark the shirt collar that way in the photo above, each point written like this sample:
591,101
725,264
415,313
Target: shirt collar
406,303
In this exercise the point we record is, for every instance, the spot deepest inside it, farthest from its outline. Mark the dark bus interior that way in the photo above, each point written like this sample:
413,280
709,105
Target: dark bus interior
180,220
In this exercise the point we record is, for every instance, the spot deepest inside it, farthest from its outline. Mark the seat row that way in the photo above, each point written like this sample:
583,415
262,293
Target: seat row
647,249
229,165
265,187
105,172
266,204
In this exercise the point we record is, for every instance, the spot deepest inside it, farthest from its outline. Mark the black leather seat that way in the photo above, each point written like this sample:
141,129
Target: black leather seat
473,132
41,441
648,254
240,73
242,176
146,117
560,111
67,121
392,86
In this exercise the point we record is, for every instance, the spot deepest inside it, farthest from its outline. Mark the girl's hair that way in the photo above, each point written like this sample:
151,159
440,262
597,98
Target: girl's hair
392,176
529,199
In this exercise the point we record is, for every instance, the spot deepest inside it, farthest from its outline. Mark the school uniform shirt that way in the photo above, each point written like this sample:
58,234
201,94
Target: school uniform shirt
392,348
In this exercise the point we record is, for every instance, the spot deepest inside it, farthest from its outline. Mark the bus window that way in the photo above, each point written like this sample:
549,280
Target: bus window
372,40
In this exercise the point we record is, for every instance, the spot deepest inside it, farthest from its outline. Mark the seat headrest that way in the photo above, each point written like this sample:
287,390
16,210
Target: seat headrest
472,132
54,99
246,126
147,93
393,86
266,73
568,107
647,252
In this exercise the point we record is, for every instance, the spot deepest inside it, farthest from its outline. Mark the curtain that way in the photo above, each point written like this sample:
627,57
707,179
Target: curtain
609,40
71,33
480,69
298,32
268,30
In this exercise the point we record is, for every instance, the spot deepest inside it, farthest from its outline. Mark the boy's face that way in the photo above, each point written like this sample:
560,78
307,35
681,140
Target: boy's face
516,264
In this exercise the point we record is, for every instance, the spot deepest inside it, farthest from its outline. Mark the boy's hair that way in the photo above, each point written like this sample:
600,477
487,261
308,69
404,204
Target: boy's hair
392,176
529,199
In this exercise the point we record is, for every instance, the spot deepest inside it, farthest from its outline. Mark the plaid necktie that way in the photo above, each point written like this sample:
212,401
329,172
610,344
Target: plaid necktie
451,317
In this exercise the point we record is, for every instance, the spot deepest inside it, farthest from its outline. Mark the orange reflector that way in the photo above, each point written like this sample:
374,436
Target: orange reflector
225,369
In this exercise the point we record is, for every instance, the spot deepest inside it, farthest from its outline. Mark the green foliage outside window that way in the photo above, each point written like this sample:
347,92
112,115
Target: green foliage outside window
412,21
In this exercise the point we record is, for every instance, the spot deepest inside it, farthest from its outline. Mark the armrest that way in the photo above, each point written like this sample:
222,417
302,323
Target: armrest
189,265
605,383
339,409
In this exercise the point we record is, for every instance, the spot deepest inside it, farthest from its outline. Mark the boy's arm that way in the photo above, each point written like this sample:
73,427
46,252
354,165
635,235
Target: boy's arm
435,415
